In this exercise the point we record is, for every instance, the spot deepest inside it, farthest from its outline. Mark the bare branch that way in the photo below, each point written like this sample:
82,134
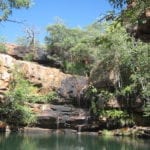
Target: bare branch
15,21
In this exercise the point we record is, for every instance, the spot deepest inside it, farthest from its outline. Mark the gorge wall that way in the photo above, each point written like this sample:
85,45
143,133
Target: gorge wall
47,79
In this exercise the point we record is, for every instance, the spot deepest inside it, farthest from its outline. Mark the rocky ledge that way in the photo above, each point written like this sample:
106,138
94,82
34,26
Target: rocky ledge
136,131
64,116
45,78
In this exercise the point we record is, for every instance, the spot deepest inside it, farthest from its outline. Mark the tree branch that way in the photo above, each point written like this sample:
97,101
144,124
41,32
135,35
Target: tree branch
15,21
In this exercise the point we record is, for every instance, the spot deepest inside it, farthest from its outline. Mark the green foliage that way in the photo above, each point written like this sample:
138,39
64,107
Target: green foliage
105,94
108,114
17,114
90,95
120,52
7,6
74,47
76,68
118,3
29,56
147,109
47,98
129,58
146,95
116,118
115,114
107,133
94,108
14,109
22,90
97,99
131,10
3,48
83,52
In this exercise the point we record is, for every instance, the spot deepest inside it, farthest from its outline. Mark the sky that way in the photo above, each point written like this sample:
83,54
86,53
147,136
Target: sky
74,13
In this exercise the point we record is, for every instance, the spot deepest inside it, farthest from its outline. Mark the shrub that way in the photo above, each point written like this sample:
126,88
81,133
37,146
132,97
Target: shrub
47,98
29,57
17,114
14,109
3,48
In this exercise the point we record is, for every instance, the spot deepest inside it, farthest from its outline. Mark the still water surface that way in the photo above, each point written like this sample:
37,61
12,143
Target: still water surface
70,142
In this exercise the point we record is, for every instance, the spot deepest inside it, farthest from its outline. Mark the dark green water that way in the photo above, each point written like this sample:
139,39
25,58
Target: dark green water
70,142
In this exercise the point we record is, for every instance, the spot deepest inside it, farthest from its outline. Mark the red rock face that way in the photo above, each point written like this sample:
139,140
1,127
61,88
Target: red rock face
16,51
6,65
46,78
105,76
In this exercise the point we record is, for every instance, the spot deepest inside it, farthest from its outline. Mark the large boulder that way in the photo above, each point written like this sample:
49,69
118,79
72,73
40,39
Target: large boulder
105,75
18,52
39,55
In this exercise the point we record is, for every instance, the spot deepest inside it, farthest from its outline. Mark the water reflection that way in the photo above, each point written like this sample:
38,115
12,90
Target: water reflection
69,142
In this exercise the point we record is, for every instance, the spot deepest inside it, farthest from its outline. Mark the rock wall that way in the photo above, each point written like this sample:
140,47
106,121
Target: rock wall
45,78
63,116
6,67
105,75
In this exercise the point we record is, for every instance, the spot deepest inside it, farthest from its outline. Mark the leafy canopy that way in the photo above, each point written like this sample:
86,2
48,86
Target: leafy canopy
131,10
74,47
7,6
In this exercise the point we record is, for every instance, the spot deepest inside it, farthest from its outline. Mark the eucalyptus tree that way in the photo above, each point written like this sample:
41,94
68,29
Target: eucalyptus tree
130,60
73,46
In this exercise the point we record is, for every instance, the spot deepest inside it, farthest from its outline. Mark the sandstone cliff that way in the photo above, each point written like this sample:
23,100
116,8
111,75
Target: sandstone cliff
45,78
